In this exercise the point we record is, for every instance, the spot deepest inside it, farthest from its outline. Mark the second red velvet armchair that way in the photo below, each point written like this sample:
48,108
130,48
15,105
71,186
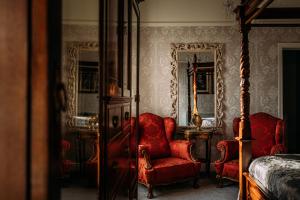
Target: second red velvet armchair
163,160
268,134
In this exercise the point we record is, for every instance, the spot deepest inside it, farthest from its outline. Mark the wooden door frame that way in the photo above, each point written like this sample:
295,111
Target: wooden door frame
29,59
44,109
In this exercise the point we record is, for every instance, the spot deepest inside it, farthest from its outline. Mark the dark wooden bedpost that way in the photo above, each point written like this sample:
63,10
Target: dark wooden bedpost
244,126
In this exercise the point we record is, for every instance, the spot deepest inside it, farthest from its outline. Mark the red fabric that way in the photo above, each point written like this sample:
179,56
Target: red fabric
170,159
168,170
170,127
66,165
280,132
263,128
268,133
229,150
133,136
143,148
278,148
153,135
181,149
231,169
66,145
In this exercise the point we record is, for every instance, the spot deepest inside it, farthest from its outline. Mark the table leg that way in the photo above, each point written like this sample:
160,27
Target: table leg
209,155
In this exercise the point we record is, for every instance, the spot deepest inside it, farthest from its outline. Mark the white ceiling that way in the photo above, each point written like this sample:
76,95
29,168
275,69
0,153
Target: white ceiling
166,12
185,12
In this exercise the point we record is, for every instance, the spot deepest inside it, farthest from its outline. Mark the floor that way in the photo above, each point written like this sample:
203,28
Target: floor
180,191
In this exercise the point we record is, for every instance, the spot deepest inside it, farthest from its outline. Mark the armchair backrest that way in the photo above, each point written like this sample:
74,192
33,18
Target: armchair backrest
266,131
155,133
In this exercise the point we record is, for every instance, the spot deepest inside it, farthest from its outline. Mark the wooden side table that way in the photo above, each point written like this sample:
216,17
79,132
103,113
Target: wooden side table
83,134
202,134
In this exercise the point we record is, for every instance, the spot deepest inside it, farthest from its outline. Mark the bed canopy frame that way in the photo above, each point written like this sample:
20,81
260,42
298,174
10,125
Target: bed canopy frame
246,13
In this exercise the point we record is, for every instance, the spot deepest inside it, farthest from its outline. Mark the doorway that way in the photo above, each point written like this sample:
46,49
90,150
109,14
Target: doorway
290,61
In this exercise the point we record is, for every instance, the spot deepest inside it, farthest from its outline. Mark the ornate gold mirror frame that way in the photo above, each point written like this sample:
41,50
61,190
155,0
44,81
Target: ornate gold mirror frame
72,51
217,48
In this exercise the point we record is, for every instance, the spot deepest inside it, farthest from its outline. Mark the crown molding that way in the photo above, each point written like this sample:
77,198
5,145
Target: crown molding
192,23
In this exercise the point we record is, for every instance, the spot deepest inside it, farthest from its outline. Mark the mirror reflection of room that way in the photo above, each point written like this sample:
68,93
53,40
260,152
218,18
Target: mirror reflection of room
80,72
204,62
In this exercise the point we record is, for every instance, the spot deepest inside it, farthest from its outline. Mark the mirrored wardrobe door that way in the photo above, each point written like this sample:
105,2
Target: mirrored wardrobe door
79,123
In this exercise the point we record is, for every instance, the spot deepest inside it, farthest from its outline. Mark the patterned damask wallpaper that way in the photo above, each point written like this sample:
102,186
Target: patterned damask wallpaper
155,66
155,60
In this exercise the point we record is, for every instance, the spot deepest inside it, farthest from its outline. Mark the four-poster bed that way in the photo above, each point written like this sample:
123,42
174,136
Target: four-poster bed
247,12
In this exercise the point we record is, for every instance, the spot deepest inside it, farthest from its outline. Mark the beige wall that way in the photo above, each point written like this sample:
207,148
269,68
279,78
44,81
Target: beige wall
185,11
80,11
155,73
155,60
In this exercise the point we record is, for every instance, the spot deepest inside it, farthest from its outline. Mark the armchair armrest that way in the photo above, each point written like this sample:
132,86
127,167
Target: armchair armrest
278,149
229,150
182,149
145,157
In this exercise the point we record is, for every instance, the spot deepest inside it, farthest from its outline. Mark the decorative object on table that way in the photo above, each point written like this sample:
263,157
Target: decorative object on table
94,122
88,122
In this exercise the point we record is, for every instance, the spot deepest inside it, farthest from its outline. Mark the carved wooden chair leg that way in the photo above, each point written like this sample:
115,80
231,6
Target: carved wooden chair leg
195,183
220,181
150,192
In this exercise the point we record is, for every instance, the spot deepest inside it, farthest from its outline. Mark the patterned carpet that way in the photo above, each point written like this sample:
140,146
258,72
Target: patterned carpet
179,191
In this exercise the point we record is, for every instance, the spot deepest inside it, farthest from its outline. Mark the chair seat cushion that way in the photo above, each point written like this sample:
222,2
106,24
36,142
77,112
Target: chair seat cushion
231,169
168,170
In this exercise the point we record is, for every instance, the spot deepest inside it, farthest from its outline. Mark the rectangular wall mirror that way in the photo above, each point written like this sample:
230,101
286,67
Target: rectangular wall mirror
208,62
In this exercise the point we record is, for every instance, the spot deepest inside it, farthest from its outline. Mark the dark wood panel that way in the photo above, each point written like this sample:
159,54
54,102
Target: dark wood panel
13,101
39,109
280,13
114,120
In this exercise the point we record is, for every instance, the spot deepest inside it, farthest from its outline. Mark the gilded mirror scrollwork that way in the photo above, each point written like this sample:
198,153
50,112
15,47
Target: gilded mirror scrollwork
206,52
72,74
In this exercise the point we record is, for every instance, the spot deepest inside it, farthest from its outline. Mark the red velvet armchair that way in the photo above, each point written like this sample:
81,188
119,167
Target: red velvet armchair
268,135
163,160
66,164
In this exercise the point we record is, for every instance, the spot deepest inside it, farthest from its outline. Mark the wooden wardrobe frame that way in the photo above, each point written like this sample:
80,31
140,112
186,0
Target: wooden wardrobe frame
246,12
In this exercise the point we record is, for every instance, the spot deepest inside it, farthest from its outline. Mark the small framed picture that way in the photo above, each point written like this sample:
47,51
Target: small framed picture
88,77
204,83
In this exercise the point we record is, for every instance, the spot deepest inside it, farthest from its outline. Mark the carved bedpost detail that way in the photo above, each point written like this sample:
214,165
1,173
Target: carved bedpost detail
244,126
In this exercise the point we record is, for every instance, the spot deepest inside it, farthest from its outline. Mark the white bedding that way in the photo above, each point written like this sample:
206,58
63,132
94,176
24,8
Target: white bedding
279,174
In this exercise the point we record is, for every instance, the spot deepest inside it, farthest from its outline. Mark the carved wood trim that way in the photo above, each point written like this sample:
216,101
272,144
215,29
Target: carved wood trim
71,63
218,49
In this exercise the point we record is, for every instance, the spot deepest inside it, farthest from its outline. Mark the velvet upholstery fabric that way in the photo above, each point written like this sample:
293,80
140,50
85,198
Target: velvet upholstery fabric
268,133
153,135
66,164
170,160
